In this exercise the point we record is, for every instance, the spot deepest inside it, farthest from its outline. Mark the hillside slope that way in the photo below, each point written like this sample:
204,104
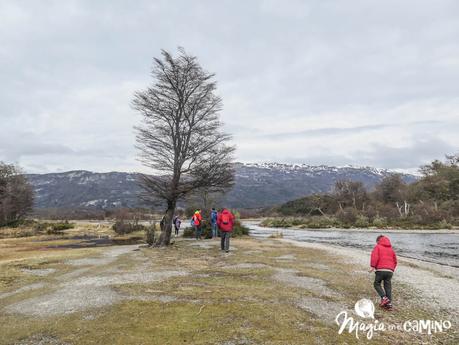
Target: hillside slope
257,185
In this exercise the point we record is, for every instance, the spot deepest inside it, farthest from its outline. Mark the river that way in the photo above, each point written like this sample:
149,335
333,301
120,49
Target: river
441,248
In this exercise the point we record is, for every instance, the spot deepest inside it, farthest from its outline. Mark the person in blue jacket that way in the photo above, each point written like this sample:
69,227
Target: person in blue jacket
213,222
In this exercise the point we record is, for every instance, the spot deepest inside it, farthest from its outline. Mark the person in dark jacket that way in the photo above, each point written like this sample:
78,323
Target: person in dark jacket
213,222
383,262
177,222
225,222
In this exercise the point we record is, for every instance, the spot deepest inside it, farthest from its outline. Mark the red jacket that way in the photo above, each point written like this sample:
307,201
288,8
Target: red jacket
197,219
225,221
383,256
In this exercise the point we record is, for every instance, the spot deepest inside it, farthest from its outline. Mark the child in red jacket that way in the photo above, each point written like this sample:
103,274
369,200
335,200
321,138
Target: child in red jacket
383,261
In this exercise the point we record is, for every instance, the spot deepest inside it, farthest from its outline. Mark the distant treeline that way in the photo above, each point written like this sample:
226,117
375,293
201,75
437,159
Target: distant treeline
431,202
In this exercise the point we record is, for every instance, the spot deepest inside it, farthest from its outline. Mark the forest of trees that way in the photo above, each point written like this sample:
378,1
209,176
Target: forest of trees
430,202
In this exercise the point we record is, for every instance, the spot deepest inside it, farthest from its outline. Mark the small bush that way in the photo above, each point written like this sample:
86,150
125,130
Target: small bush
443,225
22,223
282,222
238,230
188,232
348,216
276,235
321,222
57,227
123,228
206,231
39,227
150,234
52,228
380,222
362,222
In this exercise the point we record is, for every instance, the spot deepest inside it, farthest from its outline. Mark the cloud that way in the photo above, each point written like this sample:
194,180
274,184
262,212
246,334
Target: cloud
327,131
301,80
419,152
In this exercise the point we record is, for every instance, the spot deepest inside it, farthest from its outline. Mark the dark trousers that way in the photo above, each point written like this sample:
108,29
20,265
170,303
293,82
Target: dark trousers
225,242
198,231
385,277
176,230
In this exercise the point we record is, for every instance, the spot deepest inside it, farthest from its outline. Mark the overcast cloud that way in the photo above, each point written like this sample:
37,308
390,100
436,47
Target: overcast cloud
317,82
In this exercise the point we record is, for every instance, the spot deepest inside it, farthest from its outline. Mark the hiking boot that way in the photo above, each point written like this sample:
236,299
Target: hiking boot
388,306
384,301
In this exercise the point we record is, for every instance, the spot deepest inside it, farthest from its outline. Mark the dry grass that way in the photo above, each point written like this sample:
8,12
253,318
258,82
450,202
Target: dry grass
225,298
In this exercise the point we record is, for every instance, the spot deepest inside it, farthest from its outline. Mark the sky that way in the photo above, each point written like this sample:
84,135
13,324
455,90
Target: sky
365,83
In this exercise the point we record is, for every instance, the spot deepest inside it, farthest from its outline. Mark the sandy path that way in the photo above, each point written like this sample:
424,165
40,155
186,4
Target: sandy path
437,285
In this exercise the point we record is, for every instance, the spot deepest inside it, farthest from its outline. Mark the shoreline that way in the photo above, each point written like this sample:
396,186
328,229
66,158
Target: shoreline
369,230
423,277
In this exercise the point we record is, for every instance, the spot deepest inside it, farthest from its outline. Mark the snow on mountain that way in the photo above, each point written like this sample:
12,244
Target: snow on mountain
257,185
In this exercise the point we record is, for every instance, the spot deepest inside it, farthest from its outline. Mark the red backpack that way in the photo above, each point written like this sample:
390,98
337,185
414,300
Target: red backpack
225,218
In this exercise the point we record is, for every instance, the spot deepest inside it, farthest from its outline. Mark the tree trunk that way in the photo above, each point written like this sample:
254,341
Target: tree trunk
166,231
407,208
340,207
399,208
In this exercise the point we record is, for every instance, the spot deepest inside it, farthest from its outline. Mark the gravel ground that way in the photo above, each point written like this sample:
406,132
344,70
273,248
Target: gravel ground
325,310
246,265
437,285
30,287
315,285
288,257
41,339
39,272
78,291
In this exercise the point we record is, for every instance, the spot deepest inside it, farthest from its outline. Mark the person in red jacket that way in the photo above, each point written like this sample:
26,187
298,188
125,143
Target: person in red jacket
225,222
383,262
196,222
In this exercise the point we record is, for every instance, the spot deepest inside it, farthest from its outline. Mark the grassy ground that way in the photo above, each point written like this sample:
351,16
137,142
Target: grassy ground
262,292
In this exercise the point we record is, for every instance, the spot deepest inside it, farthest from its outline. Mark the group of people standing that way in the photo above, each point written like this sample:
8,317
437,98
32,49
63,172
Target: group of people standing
222,224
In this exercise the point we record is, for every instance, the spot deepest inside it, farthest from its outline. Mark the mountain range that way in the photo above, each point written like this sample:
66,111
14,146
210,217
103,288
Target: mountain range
257,185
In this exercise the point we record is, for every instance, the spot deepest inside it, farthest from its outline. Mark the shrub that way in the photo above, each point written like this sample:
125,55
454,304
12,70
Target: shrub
283,222
321,222
206,231
123,228
348,216
238,230
362,222
443,225
380,222
52,228
150,234
39,227
188,232
61,226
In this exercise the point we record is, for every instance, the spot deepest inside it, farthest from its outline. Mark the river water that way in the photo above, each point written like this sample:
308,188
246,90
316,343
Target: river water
441,248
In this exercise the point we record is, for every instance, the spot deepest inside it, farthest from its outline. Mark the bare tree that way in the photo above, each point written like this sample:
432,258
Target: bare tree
181,137
16,194
351,194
